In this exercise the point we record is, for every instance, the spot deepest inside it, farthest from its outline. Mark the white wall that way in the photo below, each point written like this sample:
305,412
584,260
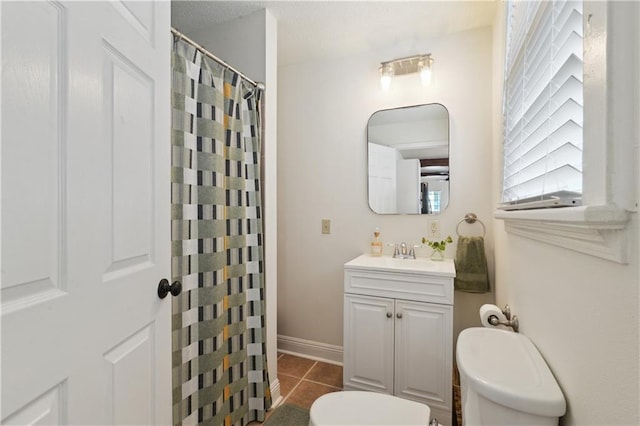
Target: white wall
580,311
249,44
323,108
241,43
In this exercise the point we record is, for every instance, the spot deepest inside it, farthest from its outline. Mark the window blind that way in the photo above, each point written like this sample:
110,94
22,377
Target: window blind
543,102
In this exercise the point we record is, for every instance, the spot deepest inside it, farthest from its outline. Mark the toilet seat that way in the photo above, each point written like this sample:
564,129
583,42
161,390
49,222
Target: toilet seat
366,408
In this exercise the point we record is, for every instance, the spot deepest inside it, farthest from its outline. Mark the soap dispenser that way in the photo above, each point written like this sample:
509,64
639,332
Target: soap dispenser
376,244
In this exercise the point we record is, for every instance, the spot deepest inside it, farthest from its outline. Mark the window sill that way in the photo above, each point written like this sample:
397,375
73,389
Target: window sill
595,230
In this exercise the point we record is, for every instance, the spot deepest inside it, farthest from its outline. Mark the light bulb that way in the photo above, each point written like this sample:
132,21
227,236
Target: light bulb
425,70
385,82
386,72
425,76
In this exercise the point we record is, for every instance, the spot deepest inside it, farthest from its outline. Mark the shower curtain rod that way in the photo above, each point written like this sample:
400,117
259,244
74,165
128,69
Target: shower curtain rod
214,57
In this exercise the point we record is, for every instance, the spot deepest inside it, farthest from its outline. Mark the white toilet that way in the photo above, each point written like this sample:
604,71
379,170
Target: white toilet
505,381
366,408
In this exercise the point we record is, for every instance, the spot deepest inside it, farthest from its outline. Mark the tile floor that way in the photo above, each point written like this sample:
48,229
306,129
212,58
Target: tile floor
303,380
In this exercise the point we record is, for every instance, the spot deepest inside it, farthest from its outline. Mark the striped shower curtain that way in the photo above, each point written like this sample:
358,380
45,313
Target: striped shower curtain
218,322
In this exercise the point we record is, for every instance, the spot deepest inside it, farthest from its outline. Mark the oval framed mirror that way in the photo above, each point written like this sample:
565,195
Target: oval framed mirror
408,160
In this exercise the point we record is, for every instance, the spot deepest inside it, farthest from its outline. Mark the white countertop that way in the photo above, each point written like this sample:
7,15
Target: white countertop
421,265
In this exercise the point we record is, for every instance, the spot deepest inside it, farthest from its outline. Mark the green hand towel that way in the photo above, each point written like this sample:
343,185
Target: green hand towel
472,274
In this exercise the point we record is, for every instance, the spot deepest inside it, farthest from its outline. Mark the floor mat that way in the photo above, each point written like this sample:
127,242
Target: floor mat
288,415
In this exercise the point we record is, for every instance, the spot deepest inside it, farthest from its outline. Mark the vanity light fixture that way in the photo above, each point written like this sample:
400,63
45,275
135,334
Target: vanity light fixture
412,64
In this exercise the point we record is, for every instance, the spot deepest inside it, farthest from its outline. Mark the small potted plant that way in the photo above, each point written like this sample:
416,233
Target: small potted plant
438,247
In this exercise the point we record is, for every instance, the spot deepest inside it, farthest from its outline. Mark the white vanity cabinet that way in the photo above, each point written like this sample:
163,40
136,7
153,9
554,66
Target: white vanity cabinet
398,329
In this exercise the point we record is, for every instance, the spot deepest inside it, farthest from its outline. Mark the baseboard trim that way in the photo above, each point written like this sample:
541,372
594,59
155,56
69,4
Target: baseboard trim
309,349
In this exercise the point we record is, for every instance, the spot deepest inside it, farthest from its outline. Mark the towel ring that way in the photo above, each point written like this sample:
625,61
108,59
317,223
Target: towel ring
471,218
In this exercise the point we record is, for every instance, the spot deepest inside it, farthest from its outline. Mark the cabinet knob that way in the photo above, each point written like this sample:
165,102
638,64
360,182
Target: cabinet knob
389,314
399,315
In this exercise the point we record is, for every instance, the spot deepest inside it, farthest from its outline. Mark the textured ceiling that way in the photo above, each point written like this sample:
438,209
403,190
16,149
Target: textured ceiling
310,30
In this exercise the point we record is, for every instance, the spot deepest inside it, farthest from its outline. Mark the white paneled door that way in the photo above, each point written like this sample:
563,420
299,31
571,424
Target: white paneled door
85,212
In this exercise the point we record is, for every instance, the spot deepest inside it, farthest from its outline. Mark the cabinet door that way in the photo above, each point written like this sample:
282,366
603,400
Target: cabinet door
368,343
423,333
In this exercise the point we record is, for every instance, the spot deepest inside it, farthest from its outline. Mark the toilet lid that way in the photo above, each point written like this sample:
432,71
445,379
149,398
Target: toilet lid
366,408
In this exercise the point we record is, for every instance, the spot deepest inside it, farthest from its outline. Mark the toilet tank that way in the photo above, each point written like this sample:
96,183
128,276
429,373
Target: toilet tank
505,381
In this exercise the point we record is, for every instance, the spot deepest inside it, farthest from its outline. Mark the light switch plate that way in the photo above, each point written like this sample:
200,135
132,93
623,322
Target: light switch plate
326,226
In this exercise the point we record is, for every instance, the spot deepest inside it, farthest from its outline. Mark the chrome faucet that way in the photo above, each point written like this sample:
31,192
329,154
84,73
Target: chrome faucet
403,249
401,252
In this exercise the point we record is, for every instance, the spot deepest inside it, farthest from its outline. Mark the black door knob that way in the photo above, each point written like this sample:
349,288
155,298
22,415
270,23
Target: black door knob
164,288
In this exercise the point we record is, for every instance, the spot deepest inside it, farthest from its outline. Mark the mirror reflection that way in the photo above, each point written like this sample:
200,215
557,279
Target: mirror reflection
408,152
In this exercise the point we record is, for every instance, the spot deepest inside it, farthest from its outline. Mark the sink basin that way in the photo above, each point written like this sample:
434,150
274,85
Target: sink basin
507,369
443,268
